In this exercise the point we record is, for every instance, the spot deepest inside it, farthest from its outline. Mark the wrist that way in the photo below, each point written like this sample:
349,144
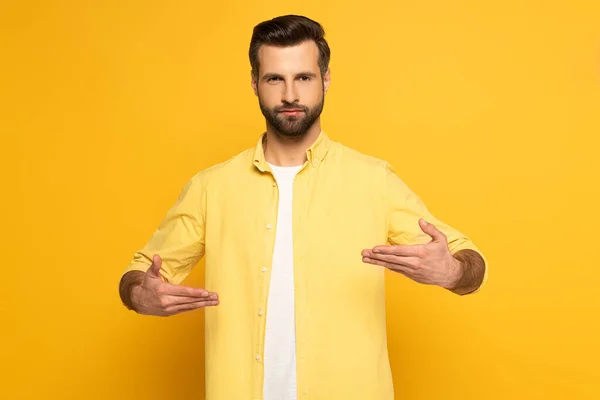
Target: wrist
456,274
129,288
134,295
471,267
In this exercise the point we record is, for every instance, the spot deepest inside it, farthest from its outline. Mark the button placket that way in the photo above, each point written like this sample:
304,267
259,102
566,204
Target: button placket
264,283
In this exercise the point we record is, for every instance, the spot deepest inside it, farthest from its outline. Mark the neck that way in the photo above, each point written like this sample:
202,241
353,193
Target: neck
289,151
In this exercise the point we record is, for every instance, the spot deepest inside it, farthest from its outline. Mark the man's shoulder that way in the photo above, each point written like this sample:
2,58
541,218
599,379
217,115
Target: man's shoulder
349,155
236,164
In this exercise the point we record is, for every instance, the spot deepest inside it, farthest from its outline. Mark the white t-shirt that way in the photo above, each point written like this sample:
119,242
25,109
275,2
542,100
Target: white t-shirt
280,336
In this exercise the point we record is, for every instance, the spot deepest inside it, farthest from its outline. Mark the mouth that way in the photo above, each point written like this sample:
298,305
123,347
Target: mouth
291,112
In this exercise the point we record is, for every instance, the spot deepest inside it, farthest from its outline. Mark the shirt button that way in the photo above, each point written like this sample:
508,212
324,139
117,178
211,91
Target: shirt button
258,357
269,226
274,184
260,312
264,269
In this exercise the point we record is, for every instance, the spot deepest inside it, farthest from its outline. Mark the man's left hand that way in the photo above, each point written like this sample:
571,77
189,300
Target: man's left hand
430,263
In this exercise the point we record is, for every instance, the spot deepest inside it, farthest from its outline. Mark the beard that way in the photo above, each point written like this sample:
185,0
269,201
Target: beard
292,125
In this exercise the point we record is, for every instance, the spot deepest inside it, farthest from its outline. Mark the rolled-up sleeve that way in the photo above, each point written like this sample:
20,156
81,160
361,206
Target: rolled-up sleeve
179,239
404,210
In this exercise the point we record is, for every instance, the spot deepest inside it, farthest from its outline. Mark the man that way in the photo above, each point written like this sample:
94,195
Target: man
295,233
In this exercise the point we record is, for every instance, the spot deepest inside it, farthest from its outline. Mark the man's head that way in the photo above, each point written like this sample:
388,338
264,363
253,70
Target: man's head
290,71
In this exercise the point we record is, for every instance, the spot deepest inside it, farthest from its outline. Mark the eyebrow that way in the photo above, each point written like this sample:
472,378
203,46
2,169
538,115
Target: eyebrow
273,75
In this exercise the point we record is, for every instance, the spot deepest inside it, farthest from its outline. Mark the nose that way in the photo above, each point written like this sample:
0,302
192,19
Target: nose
290,94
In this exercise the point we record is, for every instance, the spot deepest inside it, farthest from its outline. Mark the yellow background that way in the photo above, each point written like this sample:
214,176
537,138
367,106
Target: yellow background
489,111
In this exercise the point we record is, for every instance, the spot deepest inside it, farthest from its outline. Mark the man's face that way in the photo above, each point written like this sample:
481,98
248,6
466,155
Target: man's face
290,88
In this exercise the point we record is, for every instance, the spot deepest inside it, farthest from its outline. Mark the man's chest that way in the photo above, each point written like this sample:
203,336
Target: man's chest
332,219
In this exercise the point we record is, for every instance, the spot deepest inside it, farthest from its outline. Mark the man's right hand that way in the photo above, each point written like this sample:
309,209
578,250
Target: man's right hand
153,296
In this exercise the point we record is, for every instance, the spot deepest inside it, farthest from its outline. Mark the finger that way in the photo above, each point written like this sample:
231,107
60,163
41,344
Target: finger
409,262
187,291
398,250
395,267
173,301
431,230
192,306
154,269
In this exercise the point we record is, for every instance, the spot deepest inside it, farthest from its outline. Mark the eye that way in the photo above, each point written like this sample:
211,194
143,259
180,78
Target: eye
273,79
304,78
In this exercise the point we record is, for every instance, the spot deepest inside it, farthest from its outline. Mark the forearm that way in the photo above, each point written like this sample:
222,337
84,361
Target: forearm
130,280
472,270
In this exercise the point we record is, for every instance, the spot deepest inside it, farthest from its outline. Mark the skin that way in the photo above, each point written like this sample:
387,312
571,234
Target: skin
430,263
290,77
147,293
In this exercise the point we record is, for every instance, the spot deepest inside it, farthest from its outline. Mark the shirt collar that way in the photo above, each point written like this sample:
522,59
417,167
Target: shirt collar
314,154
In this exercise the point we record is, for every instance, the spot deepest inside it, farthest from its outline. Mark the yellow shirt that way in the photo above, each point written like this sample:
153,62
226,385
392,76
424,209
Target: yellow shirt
343,202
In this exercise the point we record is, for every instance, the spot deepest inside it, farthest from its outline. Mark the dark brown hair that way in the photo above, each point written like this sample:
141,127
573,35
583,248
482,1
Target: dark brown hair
289,30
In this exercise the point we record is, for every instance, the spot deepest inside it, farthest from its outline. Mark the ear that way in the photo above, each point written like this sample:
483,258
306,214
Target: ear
253,83
327,79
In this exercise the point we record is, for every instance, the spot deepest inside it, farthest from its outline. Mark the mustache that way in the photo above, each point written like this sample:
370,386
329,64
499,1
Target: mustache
291,107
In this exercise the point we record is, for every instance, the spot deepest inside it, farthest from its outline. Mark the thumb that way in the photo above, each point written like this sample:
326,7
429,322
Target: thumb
154,270
431,230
